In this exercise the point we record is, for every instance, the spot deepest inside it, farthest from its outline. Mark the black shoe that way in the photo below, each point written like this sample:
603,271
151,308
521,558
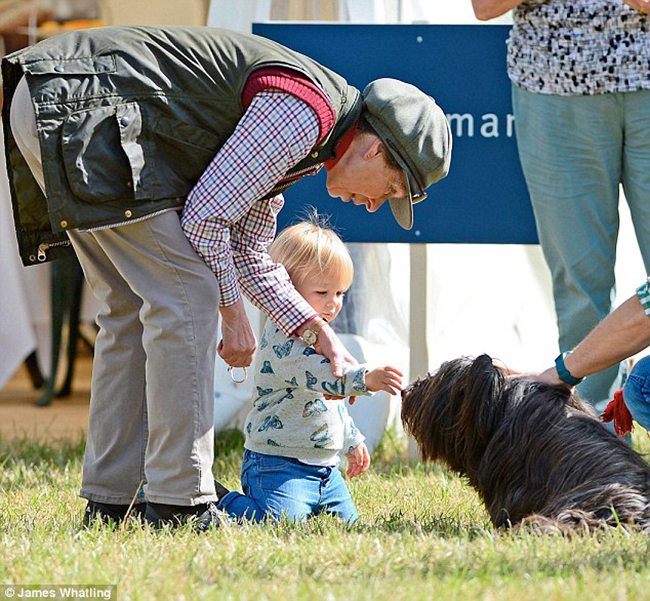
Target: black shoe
108,513
202,517
220,489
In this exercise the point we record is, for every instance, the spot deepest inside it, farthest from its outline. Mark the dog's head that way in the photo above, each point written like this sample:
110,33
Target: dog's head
453,412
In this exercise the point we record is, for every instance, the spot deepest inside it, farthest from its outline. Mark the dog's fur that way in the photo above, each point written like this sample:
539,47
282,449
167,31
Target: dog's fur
535,453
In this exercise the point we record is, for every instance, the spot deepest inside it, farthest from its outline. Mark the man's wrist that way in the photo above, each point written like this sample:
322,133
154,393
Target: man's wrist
233,310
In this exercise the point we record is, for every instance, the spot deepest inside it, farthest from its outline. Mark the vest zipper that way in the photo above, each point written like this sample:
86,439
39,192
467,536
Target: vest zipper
45,246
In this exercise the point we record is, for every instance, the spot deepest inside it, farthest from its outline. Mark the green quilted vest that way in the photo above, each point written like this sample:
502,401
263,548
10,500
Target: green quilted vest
130,117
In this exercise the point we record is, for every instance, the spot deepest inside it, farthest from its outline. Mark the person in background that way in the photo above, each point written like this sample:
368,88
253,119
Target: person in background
298,426
161,154
580,72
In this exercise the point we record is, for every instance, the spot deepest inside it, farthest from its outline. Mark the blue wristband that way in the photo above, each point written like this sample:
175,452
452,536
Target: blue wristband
563,373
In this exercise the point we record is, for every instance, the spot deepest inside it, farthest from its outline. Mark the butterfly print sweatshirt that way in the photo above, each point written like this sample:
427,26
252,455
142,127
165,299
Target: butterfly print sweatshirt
290,416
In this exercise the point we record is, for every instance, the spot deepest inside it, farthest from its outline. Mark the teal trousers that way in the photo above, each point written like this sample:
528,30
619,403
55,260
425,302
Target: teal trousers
575,151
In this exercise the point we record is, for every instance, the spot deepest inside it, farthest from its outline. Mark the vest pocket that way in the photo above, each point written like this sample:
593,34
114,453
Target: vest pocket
102,153
188,150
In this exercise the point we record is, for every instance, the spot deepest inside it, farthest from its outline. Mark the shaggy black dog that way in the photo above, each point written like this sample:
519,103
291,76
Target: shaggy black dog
535,453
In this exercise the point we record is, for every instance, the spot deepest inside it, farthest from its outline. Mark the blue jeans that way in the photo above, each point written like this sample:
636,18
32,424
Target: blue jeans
275,486
636,392
575,151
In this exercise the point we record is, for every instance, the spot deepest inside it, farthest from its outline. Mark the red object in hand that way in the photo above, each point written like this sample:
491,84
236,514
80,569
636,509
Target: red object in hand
617,412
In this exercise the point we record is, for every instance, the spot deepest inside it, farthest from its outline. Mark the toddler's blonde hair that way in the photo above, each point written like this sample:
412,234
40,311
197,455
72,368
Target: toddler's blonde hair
311,248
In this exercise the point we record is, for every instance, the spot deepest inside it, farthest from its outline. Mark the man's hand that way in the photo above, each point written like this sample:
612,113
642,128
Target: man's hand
358,460
386,378
238,344
331,347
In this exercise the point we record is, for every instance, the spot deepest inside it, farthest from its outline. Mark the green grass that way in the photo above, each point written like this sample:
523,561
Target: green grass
423,534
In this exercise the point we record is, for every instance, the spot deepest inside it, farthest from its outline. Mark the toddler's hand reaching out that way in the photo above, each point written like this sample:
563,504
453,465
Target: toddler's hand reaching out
384,378
358,460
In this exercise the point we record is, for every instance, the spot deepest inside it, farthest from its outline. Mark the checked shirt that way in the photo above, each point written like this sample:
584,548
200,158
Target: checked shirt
230,228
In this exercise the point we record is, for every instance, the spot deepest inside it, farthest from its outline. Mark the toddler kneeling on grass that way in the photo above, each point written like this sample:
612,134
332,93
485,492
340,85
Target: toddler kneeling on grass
299,424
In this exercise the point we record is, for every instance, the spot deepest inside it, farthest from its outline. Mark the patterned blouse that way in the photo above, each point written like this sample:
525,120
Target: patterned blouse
579,47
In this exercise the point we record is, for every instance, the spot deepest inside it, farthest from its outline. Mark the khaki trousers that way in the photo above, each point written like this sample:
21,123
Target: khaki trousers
151,407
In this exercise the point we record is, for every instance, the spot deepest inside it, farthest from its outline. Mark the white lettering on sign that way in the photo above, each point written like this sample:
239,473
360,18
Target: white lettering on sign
489,125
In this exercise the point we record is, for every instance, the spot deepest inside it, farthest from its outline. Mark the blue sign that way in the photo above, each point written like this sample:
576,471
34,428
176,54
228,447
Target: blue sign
484,197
